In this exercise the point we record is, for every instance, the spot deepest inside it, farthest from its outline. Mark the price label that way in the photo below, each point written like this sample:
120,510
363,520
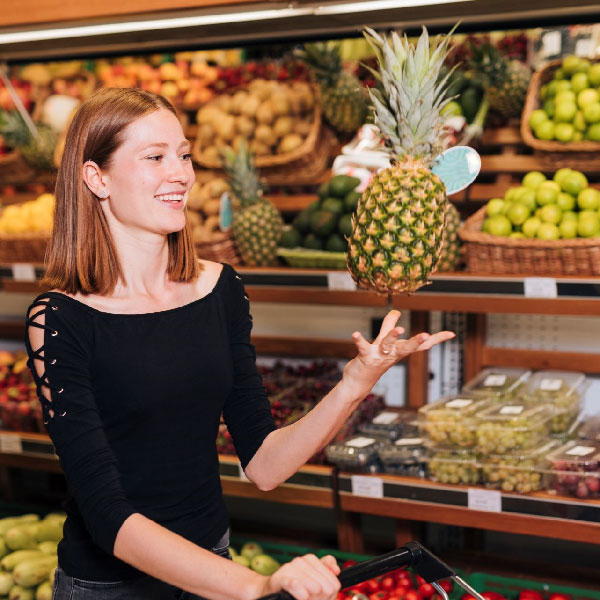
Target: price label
580,451
362,485
459,403
551,385
487,500
23,272
409,442
494,380
583,47
385,418
551,43
360,442
10,444
340,280
241,473
511,410
540,287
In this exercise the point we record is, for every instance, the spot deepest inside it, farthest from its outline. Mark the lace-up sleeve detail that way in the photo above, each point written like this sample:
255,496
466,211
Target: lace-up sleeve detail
59,341
247,411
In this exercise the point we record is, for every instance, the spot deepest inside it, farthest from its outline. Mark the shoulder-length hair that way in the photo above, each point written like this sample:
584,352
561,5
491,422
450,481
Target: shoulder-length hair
81,255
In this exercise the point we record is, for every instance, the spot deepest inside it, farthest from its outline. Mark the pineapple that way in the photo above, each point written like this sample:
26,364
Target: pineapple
343,97
37,153
450,256
397,229
257,224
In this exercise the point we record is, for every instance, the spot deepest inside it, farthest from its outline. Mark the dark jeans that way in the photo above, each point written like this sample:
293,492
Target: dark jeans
141,588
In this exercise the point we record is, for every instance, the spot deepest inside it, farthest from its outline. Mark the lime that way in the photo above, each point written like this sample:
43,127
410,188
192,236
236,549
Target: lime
577,136
531,226
512,193
569,215
584,65
573,182
519,213
564,132
494,207
517,235
565,201
534,178
594,74
588,224
587,96
559,73
551,89
591,112
506,207
452,109
563,86
527,197
485,226
588,199
570,64
547,193
551,213
566,96
548,231
560,174
579,122
544,131
537,116
549,107
499,225
579,82
565,111
568,229
593,132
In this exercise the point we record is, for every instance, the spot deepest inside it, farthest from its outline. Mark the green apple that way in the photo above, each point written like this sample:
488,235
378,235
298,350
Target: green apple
500,226
565,111
564,132
551,89
587,96
584,65
512,193
591,112
485,226
494,207
593,132
544,131
547,193
573,182
588,224
563,86
565,201
531,226
519,213
588,199
548,231
250,550
549,108
579,121
580,82
263,564
569,215
594,74
533,179
570,64
527,198
537,116
551,213
568,229
568,96
560,174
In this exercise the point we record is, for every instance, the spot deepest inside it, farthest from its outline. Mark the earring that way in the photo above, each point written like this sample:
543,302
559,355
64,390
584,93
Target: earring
103,194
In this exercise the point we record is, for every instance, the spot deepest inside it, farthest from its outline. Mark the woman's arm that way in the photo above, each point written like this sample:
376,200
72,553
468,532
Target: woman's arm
285,450
171,558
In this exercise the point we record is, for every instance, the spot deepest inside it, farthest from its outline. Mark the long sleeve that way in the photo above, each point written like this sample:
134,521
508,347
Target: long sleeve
247,411
61,369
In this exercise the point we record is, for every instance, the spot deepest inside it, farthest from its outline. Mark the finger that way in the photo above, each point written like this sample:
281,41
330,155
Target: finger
328,581
389,322
406,347
436,338
390,339
331,563
361,344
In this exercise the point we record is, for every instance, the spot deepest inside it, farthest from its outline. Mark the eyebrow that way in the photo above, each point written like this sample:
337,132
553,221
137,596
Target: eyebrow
165,145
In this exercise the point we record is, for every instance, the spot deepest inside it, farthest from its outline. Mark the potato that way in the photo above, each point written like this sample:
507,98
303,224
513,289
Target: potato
250,107
244,125
283,126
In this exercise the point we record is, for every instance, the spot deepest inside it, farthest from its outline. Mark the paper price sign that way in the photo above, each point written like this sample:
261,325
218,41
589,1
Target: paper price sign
540,287
23,272
486,500
10,444
340,280
372,487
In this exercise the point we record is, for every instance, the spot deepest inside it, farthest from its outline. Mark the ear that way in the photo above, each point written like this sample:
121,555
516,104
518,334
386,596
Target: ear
92,175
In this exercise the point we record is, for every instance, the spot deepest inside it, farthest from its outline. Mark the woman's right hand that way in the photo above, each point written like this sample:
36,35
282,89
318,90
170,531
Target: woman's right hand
306,578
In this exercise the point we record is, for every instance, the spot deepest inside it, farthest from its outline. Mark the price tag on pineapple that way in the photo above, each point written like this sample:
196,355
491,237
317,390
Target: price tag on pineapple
362,485
23,272
340,280
540,287
10,444
457,167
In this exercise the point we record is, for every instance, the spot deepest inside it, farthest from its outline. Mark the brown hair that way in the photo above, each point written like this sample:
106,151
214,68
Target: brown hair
81,255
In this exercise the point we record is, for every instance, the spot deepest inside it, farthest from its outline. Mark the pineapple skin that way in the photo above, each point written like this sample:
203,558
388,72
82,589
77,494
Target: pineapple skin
344,104
450,256
257,230
507,90
397,230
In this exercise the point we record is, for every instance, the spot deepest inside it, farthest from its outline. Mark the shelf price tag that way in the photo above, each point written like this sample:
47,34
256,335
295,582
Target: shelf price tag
10,444
340,280
23,272
362,485
487,500
540,287
551,43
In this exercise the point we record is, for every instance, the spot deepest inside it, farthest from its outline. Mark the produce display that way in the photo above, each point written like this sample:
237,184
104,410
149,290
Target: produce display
406,456
450,257
458,466
204,206
575,469
397,232
273,118
570,103
391,425
327,222
356,454
251,555
497,383
34,216
563,207
28,555
257,224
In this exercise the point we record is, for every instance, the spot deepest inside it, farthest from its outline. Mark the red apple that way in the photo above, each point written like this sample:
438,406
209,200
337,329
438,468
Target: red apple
371,586
559,596
446,585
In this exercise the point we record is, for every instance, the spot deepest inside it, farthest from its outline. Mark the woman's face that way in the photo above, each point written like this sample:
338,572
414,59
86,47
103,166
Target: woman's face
150,175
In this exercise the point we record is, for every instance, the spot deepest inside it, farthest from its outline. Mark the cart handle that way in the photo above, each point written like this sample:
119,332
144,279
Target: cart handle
423,562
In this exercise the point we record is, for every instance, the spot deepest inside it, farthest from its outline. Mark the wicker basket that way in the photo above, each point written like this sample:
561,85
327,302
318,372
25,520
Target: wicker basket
586,150
14,169
23,248
219,251
495,255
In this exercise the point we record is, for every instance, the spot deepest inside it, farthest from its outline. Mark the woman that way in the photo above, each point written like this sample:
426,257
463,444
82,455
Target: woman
137,351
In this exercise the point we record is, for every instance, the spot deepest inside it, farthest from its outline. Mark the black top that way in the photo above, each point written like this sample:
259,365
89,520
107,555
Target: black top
136,402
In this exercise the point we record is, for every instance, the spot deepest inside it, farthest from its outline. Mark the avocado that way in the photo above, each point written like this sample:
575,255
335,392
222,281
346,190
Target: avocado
323,190
290,237
336,243
323,222
457,82
351,201
302,221
313,206
345,225
334,205
340,185
469,101
313,242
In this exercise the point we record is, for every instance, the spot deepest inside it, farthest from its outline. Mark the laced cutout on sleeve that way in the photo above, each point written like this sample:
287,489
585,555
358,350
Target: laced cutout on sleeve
50,406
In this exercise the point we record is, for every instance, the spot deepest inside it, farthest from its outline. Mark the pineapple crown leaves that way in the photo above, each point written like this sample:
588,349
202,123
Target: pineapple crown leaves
324,61
411,94
14,129
243,175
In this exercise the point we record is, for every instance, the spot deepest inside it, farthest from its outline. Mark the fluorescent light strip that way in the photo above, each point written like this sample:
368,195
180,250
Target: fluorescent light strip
352,7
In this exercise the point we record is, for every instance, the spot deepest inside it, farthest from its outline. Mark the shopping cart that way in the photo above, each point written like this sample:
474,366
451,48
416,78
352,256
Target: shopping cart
413,555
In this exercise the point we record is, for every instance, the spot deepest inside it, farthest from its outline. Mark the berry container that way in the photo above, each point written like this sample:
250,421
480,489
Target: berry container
457,466
390,425
497,383
406,456
575,469
450,422
510,426
358,454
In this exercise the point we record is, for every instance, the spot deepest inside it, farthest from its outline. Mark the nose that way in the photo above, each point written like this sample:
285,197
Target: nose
180,172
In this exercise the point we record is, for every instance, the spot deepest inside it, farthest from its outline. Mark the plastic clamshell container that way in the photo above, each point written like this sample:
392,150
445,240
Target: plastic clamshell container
390,425
450,422
457,466
406,456
497,383
574,469
562,390
509,426
520,472
358,453
590,430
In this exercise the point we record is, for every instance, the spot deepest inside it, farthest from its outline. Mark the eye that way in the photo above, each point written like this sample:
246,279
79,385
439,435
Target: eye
187,156
155,157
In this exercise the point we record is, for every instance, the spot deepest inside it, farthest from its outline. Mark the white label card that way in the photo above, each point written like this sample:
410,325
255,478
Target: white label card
583,47
494,380
551,385
551,43
580,451
540,287
488,500
363,485
23,272
10,444
385,418
409,442
459,403
511,410
340,280
360,442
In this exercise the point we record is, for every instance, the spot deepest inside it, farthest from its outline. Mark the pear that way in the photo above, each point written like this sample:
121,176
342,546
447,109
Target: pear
250,550
241,560
233,552
263,564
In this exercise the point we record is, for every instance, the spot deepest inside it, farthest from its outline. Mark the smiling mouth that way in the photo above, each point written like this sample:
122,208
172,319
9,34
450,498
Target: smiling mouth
170,197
